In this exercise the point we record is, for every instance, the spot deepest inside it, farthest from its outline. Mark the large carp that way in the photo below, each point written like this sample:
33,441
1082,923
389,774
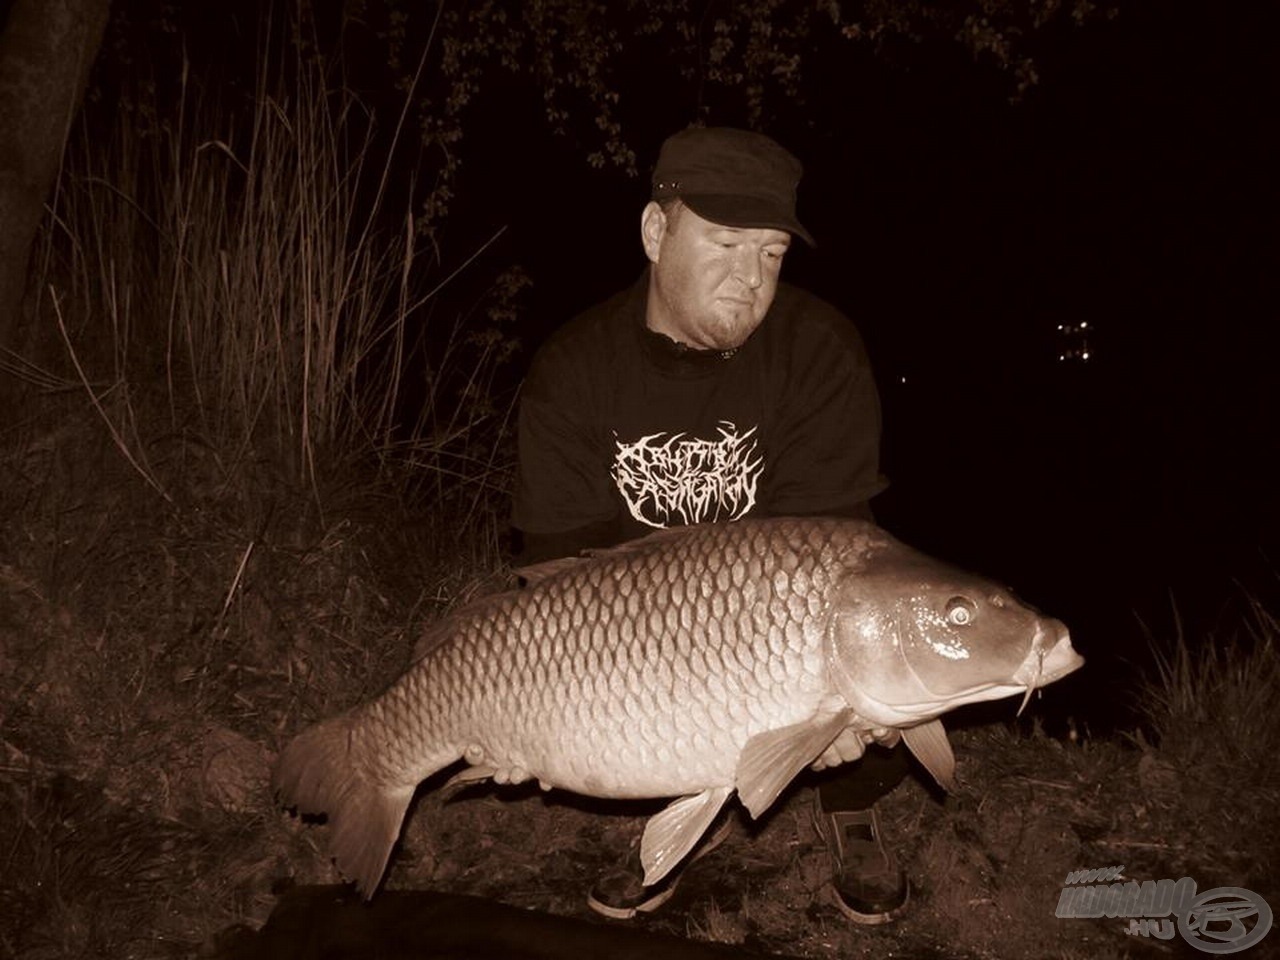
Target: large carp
690,664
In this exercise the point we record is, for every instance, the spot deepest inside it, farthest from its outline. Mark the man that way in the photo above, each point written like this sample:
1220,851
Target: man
707,392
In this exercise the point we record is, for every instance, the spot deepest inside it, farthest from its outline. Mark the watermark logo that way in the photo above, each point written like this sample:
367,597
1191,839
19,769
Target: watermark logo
1221,920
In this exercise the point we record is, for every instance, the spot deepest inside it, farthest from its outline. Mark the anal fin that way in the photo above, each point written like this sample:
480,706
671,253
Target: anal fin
671,834
467,775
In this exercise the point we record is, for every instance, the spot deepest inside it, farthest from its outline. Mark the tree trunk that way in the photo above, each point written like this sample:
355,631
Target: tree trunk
46,50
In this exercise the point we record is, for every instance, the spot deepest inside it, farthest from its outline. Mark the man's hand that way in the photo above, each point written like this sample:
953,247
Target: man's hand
851,743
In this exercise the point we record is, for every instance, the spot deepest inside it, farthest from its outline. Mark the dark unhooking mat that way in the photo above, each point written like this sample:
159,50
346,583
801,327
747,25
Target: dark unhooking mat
332,923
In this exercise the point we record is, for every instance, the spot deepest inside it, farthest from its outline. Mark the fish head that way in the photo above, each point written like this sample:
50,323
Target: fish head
911,638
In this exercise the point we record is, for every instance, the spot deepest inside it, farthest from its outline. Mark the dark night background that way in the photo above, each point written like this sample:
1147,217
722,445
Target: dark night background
1132,191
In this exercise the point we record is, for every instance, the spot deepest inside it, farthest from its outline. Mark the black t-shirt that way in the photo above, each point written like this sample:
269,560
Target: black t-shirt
622,430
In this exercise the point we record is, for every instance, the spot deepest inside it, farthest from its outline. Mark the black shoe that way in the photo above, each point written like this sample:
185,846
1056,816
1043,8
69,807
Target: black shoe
620,894
868,885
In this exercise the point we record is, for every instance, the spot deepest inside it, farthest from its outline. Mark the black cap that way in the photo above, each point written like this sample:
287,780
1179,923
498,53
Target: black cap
734,177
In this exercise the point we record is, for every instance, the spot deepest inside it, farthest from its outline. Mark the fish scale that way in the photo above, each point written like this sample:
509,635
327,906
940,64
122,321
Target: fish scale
688,664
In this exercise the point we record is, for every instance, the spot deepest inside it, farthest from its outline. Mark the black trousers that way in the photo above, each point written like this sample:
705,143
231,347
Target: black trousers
857,785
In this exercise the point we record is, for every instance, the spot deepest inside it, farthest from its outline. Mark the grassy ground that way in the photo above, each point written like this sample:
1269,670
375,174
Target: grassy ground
157,654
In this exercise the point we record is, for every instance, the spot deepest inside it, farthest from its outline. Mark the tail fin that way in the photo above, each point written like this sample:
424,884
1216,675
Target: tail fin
317,773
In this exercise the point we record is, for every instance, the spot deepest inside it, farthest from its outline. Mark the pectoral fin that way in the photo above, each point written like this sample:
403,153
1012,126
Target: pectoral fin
671,834
770,760
928,741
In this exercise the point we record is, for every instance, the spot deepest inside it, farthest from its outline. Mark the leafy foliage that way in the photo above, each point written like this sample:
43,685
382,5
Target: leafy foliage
747,61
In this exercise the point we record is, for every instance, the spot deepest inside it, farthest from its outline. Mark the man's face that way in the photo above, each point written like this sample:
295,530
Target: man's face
710,285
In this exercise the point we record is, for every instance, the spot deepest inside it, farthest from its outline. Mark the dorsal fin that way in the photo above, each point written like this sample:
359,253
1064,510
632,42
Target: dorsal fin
535,572
643,543
547,568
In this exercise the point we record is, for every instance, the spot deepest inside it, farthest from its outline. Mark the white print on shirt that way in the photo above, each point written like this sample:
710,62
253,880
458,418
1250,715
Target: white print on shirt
673,479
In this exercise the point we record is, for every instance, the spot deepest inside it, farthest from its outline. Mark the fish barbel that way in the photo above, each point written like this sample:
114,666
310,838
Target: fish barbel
691,663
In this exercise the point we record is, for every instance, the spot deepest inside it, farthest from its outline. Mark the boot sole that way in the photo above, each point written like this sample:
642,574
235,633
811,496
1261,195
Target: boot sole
868,919
658,899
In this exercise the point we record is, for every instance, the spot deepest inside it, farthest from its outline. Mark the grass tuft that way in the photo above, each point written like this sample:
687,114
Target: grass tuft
1210,700
241,274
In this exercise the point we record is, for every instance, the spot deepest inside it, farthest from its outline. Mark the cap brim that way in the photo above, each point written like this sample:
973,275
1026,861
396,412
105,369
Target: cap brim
751,212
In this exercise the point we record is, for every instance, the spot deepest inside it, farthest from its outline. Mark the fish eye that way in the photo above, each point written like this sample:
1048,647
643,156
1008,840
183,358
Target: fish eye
960,611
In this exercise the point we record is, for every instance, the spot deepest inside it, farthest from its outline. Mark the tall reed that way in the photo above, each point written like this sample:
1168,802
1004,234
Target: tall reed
245,268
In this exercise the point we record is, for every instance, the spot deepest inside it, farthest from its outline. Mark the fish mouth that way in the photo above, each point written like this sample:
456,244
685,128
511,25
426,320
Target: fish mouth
1047,663
1045,666
1050,658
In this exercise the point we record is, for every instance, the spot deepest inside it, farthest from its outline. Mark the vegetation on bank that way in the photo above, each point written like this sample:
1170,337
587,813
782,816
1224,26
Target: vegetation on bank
154,664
